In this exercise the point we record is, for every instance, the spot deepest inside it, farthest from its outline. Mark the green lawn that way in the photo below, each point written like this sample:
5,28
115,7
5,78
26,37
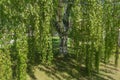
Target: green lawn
67,69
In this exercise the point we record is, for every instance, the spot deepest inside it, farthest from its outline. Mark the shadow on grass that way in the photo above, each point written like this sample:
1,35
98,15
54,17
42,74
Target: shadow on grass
63,68
67,68
101,76
109,66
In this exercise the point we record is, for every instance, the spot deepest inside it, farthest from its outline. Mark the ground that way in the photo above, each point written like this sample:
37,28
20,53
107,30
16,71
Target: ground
67,69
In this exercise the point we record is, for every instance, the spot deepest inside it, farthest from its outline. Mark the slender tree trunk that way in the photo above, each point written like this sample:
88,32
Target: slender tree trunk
63,43
117,49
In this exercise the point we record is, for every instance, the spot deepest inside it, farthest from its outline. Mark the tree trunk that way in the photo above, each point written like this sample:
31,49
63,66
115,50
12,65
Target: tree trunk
63,44
62,23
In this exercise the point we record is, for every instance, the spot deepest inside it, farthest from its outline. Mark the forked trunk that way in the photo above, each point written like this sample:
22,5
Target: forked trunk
62,23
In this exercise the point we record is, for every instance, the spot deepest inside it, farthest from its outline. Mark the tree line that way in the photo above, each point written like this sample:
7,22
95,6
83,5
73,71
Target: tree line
26,33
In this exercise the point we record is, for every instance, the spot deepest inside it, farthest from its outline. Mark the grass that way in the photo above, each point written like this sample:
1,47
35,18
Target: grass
67,69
